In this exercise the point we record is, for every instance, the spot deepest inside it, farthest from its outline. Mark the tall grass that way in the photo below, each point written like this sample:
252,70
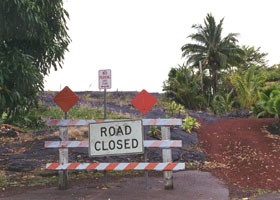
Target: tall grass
80,112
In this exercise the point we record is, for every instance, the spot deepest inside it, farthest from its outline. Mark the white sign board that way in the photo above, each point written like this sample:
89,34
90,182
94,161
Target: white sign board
105,79
116,138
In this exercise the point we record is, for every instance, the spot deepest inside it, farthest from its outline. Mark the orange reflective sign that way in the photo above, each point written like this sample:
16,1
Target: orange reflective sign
144,101
65,99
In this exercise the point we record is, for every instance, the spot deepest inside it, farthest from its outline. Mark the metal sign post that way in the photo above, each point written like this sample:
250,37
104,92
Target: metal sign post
105,117
105,82
105,104
144,101
65,99
145,160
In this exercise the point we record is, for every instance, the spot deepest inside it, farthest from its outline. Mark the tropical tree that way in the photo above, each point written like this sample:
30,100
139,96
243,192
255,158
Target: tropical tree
251,57
215,53
33,38
38,28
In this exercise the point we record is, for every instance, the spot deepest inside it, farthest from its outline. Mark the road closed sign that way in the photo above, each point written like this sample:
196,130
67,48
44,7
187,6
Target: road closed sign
116,138
105,79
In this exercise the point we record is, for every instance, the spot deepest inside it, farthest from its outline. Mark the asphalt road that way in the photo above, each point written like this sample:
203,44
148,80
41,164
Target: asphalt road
187,185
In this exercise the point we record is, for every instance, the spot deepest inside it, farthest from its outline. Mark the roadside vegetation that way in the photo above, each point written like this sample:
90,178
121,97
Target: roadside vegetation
222,76
33,39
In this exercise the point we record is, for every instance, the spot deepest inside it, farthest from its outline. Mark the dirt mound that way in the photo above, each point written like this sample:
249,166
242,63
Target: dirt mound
241,152
7,130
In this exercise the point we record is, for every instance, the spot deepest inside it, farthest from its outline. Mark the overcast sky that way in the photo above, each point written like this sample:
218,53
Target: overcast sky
140,40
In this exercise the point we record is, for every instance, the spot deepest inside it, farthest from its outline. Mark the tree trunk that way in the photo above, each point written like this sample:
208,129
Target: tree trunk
201,77
214,80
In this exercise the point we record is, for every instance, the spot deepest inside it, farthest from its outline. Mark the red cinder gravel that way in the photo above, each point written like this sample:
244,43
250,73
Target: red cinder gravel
245,154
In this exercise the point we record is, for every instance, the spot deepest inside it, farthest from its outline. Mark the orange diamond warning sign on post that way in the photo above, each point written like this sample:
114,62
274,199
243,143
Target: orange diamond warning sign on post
144,101
65,99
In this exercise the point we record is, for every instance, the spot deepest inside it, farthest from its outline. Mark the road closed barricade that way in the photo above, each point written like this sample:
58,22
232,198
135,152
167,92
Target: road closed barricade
116,137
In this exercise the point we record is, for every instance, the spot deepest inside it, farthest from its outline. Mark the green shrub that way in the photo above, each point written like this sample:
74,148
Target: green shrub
154,131
183,87
270,101
174,108
223,103
27,119
247,86
189,124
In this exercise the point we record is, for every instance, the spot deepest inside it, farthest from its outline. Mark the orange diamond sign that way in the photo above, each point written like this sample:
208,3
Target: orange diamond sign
144,101
65,99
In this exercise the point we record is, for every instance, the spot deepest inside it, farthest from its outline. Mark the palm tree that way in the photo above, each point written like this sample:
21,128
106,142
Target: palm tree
215,52
252,57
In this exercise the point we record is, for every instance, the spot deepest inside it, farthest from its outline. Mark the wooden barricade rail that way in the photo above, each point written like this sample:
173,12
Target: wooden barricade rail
82,122
168,166
147,144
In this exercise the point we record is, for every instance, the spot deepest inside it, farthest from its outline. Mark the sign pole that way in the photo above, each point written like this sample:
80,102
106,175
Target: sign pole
105,117
146,159
104,79
65,99
144,101
105,104
146,172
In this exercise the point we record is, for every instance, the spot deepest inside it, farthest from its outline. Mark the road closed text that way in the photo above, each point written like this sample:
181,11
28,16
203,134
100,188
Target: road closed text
115,138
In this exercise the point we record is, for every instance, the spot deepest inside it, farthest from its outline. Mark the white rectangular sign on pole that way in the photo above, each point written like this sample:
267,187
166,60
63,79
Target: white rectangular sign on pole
116,138
105,79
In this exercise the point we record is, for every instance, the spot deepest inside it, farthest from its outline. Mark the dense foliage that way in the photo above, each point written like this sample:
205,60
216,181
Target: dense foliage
247,86
270,100
183,87
221,75
20,83
37,28
224,103
33,38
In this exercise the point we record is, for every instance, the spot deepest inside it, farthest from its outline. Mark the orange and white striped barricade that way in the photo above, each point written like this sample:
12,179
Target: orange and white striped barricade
165,144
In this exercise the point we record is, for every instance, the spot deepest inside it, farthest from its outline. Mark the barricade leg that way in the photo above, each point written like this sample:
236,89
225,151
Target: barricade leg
63,158
146,172
167,157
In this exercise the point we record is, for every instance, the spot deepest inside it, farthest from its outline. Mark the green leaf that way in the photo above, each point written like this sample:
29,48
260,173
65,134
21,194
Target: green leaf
263,97
276,105
274,93
270,107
